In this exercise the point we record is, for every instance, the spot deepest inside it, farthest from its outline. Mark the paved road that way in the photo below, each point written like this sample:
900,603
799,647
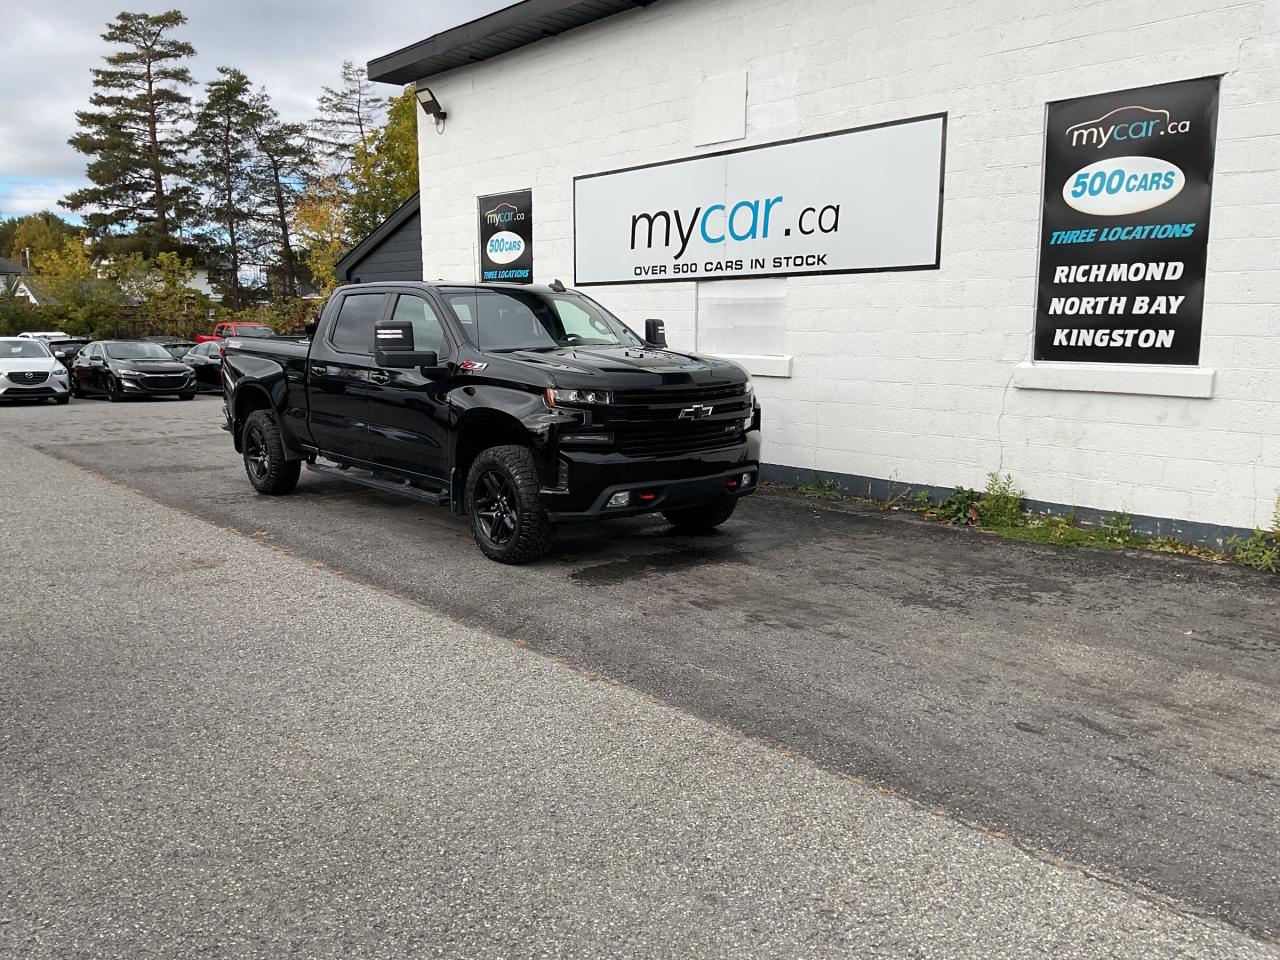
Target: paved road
1114,711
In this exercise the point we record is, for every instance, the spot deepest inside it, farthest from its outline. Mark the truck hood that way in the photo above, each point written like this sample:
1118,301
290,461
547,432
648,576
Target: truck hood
620,364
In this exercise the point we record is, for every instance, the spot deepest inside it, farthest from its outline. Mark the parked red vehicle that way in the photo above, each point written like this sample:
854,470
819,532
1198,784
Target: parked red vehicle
224,330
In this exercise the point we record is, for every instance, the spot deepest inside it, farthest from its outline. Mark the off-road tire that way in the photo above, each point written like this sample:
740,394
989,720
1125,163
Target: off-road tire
533,533
702,518
265,463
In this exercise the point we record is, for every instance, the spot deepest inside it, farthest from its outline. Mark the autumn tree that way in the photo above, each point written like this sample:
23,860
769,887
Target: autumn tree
69,276
134,135
34,235
320,221
385,173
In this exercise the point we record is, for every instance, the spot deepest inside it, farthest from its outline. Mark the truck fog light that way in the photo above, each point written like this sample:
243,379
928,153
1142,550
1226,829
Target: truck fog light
746,479
620,500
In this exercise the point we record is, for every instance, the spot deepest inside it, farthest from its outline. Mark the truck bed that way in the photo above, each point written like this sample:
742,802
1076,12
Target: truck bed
281,347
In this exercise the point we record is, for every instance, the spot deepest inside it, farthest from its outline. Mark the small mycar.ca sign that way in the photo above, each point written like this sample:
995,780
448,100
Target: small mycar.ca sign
845,202
1128,178
506,237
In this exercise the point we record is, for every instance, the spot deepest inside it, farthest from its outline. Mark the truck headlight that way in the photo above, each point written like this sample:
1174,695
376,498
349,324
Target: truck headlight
556,397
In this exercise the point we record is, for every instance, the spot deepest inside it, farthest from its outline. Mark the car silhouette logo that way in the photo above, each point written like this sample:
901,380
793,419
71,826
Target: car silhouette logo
696,412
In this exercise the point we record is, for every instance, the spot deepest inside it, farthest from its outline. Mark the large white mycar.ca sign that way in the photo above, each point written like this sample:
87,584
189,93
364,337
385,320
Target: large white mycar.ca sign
845,202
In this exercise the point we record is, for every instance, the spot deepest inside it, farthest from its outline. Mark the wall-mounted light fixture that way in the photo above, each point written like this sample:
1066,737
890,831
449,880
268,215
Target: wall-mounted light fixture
431,107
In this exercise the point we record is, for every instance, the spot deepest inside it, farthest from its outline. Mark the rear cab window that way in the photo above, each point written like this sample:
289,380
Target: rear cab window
353,329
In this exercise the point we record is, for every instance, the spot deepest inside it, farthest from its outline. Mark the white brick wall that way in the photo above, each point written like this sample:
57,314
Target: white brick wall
908,375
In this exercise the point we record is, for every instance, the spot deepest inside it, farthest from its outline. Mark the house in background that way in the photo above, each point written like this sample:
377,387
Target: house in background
11,275
393,251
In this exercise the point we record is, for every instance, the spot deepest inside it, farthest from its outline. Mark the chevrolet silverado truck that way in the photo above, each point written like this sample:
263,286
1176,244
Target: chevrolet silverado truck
520,407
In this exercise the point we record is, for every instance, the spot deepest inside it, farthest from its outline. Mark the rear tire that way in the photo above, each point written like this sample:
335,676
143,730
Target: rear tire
269,470
701,518
508,520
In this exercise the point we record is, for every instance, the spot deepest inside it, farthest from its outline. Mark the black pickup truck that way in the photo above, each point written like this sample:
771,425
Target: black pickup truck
520,406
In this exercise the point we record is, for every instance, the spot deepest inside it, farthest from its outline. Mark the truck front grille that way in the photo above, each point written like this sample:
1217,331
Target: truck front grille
668,421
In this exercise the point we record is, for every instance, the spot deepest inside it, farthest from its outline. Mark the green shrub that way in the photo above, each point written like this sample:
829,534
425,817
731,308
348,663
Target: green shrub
961,507
1261,551
821,489
1001,505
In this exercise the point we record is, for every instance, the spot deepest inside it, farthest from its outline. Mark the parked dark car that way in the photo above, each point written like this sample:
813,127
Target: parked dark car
206,360
130,368
66,350
521,406
176,346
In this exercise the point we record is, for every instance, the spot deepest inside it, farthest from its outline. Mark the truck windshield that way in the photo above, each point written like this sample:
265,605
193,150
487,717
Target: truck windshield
502,320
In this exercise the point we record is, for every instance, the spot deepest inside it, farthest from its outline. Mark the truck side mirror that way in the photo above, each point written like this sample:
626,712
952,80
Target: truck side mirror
655,333
311,328
393,347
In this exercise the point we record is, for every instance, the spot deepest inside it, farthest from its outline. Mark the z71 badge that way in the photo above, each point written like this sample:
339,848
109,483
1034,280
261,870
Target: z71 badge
472,366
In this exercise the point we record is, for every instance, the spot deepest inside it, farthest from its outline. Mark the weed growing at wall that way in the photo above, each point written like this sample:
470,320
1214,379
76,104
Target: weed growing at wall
1001,505
999,510
1262,550
961,508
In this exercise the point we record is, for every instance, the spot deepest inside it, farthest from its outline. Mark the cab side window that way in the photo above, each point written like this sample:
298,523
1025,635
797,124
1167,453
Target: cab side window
428,333
353,330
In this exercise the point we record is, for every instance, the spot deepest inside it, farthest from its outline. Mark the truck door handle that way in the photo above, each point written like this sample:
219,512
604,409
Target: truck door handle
378,376
319,369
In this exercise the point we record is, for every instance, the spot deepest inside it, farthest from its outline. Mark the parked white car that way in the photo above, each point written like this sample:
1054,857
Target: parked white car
28,370
43,335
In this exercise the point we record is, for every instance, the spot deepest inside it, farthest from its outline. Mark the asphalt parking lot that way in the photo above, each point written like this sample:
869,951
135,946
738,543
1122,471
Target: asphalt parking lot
1097,731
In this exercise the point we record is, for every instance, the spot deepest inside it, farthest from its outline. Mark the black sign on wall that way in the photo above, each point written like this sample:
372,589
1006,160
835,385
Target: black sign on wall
1127,184
506,237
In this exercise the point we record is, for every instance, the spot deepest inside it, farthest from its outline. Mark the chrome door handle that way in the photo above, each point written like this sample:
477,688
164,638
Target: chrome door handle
320,370
378,376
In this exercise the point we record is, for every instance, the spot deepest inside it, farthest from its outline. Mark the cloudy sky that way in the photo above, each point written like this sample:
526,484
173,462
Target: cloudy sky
47,48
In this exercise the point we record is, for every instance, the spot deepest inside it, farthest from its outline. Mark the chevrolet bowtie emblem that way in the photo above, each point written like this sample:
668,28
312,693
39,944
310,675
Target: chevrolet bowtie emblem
696,412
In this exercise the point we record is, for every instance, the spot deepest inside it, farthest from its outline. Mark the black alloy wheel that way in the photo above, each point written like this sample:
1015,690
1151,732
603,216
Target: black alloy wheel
114,391
269,469
496,507
508,520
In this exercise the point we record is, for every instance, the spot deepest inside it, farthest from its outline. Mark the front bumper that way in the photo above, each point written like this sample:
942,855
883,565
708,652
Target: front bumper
155,386
52,387
587,480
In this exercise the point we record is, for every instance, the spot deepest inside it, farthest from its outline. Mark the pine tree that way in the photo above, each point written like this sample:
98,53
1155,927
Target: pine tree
134,133
347,119
282,163
225,160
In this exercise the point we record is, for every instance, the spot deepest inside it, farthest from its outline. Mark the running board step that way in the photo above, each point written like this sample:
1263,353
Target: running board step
367,479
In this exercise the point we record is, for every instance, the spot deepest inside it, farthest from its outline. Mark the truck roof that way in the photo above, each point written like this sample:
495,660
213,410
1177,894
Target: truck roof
462,285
